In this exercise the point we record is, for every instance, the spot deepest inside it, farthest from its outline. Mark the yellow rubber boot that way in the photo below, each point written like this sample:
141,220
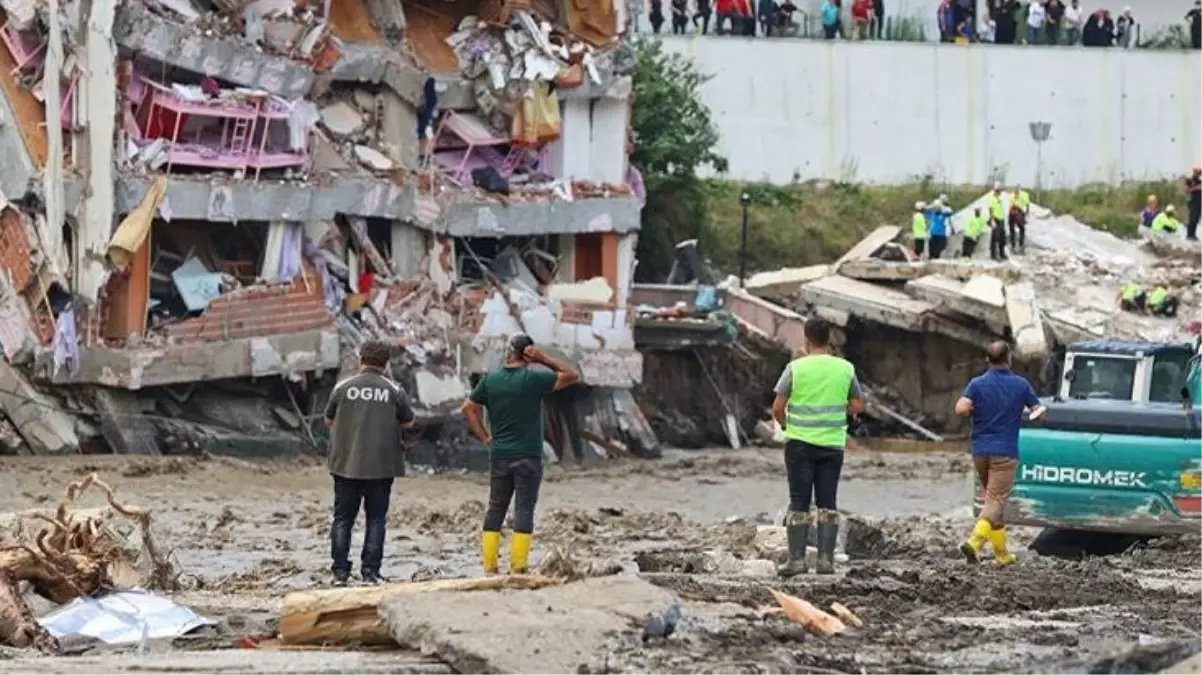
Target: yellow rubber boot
490,550
519,552
1000,553
976,541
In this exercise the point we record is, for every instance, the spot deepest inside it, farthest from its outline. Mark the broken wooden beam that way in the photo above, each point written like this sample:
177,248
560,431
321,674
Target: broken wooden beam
350,615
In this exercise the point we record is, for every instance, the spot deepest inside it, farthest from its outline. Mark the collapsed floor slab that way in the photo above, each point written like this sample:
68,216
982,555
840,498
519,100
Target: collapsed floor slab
137,367
561,629
974,300
44,425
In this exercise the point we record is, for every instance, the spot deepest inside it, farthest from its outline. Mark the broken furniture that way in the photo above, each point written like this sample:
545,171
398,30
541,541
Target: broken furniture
464,143
246,122
27,48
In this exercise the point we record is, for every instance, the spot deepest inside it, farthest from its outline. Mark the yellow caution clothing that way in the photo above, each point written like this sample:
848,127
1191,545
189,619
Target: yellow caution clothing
1131,291
1158,297
975,227
1163,222
820,386
918,226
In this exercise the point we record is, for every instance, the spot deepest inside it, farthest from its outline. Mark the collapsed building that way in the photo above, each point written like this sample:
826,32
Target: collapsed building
914,328
209,204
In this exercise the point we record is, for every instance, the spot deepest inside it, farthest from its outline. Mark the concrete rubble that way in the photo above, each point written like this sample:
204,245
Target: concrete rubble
287,179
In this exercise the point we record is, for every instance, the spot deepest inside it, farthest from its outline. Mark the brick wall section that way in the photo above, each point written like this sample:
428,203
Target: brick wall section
15,256
257,311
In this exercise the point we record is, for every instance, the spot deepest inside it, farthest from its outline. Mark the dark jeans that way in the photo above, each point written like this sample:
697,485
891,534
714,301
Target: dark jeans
1169,308
997,242
726,22
829,30
348,494
705,21
968,247
813,475
920,245
1191,225
938,245
678,24
1018,231
517,479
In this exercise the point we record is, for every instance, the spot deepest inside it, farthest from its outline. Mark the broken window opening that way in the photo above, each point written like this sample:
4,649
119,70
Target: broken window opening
179,122
531,260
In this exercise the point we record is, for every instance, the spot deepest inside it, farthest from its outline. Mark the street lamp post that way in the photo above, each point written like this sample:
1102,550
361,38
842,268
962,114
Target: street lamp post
745,201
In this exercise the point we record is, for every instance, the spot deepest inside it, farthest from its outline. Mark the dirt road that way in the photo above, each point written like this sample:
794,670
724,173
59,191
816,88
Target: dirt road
244,535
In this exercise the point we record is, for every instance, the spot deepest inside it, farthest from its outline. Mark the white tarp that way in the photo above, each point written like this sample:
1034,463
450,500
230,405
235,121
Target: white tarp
123,617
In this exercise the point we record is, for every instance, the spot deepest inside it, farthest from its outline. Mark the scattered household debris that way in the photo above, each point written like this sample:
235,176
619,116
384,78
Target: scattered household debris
122,617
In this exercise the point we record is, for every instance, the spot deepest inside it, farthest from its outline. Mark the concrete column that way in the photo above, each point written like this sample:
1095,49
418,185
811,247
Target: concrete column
627,261
98,93
573,155
608,153
398,125
409,247
566,272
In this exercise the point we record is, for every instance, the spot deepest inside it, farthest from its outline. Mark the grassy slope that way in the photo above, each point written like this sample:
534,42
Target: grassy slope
803,225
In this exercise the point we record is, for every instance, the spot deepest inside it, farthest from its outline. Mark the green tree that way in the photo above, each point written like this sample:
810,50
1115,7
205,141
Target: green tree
674,136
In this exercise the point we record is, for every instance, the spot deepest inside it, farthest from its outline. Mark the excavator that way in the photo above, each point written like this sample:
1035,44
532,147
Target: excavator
1118,446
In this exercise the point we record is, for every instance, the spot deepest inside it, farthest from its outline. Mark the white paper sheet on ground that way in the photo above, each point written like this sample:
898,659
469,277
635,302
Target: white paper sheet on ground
123,617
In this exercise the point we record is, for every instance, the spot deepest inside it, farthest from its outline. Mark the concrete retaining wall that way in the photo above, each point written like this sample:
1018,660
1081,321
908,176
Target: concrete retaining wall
881,112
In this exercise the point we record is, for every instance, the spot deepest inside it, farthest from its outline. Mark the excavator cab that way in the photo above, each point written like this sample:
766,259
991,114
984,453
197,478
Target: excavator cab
1117,449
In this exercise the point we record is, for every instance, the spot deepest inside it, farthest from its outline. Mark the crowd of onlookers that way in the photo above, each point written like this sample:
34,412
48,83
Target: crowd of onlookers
1035,22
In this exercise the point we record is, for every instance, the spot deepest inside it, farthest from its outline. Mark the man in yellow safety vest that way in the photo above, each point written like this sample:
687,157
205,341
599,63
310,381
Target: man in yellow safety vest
918,228
1166,221
997,224
973,229
1020,211
814,395
1132,297
1162,303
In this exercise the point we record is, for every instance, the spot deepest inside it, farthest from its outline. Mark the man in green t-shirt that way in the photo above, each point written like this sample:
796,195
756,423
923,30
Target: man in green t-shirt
513,395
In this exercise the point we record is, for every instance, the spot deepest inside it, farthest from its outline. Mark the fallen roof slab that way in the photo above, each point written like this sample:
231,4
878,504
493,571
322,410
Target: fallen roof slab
138,367
964,269
870,244
784,283
867,301
964,298
874,269
561,629
580,216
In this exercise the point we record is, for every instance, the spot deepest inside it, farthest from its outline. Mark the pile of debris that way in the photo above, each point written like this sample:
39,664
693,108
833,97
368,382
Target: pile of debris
297,29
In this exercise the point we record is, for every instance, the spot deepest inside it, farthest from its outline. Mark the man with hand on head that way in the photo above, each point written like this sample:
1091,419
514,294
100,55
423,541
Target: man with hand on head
995,401
813,397
365,413
513,395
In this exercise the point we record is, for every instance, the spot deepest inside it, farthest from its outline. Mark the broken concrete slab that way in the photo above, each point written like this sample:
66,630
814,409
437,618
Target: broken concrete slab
867,301
137,367
372,158
46,427
561,629
1026,322
965,270
341,119
1174,246
870,244
874,269
950,295
783,284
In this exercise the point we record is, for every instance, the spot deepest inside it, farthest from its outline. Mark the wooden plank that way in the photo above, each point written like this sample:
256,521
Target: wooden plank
30,113
349,615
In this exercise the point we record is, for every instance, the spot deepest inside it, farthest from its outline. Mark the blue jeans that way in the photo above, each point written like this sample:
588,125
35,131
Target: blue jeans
1034,35
348,494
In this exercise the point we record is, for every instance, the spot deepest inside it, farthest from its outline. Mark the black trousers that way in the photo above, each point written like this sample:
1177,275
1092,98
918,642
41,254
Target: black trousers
517,479
997,241
968,247
1191,225
705,21
938,244
813,473
1018,234
349,493
1169,308
678,24
920,245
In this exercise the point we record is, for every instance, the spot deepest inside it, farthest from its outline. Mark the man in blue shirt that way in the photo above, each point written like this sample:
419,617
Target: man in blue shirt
995,401
938,217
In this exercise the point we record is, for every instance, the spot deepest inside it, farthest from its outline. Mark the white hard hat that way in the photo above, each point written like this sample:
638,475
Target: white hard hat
918,206
997,185
947,209
943,199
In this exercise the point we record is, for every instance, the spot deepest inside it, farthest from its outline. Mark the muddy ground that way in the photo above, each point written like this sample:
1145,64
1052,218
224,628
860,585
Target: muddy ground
244,535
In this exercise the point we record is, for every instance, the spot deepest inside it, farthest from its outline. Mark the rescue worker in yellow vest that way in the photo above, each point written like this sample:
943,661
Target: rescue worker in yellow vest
1132,297
1166,221
918,228
814,395
973,229
1020,210
997,224
1162,303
